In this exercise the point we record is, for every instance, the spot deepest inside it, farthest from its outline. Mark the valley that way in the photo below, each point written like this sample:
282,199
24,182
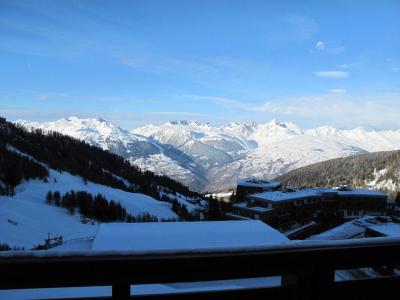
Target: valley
212,158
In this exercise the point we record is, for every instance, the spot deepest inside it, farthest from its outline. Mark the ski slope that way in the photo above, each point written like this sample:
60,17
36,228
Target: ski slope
26,220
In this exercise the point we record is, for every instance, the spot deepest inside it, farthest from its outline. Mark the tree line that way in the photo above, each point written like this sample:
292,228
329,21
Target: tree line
15,167
64,153
353,170
95,207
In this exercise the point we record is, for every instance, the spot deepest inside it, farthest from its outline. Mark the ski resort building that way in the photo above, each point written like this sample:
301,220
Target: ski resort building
291,206
252,186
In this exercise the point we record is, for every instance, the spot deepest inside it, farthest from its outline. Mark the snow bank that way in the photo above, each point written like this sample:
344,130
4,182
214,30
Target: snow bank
182,236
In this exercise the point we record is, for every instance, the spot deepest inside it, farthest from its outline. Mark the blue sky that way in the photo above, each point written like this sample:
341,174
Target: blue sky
140,62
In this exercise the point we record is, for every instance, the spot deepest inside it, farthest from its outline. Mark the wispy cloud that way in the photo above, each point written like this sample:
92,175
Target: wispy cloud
379,111
347,66
332,74
395,69
330,46
43,96
337,91
335,108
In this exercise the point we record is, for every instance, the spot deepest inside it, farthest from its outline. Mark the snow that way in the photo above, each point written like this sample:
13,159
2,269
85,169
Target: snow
186,236
183,200
356,229
223,195
388,229
86,129
164,165
220,155
277,196
348,230
76,244
35,219
300,228
146,153
379,181
141,289
362,192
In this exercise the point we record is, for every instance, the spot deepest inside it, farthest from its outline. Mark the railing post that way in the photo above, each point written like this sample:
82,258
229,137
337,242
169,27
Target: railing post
290,281
311,284
121,291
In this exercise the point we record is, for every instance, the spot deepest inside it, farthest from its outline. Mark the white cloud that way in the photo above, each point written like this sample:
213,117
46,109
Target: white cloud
337,91
332,74
395,69
378,111
334,108
333,47
43,96
320,45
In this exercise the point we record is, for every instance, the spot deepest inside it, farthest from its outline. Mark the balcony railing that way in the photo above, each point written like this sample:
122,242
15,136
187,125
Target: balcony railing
307,270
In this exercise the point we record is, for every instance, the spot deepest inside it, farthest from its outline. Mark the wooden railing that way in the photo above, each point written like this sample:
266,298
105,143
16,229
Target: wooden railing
307,270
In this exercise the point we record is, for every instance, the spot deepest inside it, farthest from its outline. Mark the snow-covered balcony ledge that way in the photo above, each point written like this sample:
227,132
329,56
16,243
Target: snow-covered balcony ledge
289,246
307,268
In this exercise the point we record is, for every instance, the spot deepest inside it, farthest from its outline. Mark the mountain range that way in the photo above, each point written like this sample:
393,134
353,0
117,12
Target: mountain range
212,158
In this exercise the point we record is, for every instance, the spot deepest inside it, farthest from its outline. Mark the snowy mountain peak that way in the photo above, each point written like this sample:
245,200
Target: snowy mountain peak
276,122
71,119
324,131
242,129
27,124
188,123
239,124
274,131
212,158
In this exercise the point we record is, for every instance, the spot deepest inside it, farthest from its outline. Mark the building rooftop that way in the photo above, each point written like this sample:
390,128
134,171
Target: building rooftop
356,228
359,192
259,183
258,209
186,236
286,195
292,194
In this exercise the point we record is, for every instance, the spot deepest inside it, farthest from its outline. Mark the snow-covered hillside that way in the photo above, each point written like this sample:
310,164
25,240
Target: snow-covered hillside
148,154
212,158
26,219
377,170
39,171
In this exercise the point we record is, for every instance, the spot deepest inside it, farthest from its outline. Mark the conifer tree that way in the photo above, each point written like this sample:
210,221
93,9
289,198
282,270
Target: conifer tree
49,197
57,198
